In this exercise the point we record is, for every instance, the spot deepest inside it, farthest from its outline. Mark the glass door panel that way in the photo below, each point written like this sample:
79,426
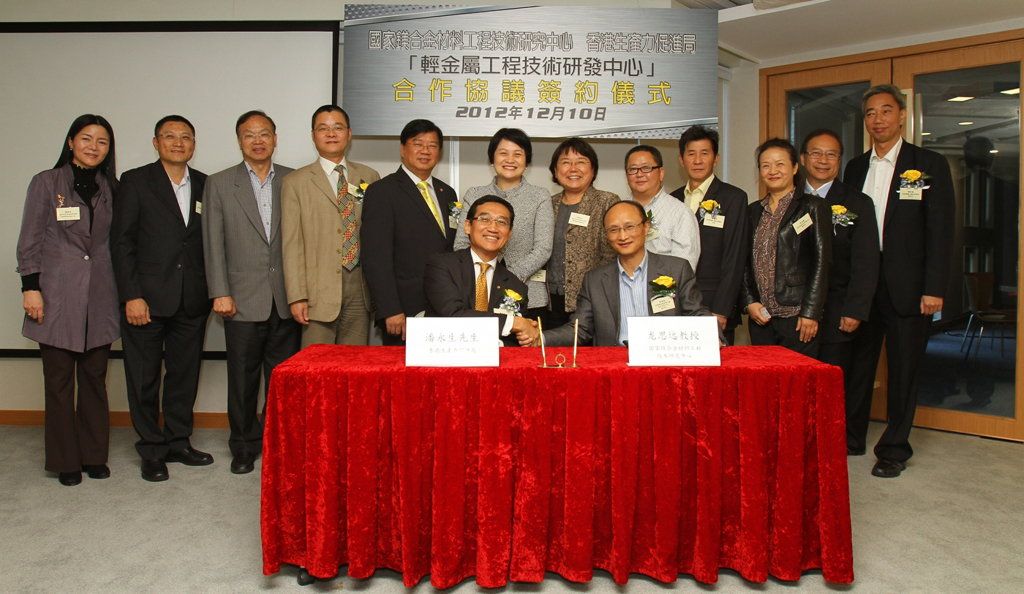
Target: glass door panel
966,106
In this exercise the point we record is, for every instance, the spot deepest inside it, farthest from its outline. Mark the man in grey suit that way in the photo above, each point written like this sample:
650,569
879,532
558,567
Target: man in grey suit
613,293
244,272
322,206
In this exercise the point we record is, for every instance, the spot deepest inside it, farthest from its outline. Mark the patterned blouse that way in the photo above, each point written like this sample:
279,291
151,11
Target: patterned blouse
766,241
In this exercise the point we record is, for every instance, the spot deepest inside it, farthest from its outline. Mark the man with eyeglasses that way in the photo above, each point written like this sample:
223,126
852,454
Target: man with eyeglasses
242,241
156,243
622,289
408,216
321,206
912,194
672,231
474,282
853,274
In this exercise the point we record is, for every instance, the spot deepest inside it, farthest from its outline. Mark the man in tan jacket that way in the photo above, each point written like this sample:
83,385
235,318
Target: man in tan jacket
321,207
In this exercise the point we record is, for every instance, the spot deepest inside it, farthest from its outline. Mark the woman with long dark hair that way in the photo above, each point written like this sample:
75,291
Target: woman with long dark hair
786,280
69,296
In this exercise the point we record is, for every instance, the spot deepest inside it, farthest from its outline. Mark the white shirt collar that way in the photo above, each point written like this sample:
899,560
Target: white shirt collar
823,190
184,180
328,165
416,179
477,260
891,155
702,188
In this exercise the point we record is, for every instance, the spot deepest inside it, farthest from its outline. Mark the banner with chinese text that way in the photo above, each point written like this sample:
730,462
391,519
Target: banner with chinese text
552,71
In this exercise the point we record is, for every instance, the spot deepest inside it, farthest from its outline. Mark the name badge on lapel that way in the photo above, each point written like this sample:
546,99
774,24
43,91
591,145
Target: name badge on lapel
911,193
663,303
802,224
716,221
69,213
578,219
199,207
453,222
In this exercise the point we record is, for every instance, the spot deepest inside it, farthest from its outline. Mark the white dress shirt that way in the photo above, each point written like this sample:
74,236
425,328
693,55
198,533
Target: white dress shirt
332,175
877,182
674,230
430,190
821,191
183,194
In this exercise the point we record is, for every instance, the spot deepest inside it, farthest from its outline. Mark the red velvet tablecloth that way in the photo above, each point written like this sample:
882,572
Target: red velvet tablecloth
505,473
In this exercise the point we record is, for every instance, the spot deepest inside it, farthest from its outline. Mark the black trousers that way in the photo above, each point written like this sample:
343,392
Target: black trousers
176,342
253,350
782,332
75,435
906,339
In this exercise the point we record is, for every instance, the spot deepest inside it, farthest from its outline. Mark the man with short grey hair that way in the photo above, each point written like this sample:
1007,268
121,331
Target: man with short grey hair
912,193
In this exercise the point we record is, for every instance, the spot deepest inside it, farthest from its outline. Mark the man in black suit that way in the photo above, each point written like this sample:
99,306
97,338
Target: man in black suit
157,247
474,282
407,218
853,274
912,193
723,237
601,310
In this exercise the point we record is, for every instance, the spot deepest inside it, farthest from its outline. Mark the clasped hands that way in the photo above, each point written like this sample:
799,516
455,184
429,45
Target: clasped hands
526,331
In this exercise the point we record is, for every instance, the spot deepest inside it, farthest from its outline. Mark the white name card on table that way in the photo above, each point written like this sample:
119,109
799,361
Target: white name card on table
451,342
664,341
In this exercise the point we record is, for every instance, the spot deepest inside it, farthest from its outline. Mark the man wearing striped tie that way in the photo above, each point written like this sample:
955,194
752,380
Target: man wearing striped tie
408,217
474,282
321,205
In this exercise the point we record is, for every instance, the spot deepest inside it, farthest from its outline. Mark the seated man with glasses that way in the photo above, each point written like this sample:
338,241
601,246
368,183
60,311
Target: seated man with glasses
474,281
672,230
631,286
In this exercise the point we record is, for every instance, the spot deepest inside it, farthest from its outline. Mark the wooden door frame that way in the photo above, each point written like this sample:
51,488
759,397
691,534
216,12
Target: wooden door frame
836,71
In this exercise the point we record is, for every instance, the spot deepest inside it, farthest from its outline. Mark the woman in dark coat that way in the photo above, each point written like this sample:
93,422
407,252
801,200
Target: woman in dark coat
791,247
69,295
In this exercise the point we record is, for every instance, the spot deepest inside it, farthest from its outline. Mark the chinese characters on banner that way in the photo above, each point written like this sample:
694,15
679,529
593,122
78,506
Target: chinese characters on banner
598,71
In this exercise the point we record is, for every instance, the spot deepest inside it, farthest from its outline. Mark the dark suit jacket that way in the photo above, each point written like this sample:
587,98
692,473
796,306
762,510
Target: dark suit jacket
450,285
597,307
801,259
853,275
397,236
156,256
917,233
723,251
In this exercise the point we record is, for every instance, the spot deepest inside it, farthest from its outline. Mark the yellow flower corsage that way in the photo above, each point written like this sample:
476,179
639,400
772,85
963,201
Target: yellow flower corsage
911,175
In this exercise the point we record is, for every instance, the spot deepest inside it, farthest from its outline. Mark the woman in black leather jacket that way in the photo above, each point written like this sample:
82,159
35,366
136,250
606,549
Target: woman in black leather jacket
785,284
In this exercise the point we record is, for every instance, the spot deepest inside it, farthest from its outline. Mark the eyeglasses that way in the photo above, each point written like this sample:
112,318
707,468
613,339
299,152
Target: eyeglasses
430,146
324,129
823,155
628,228
645,169
265,136
486,221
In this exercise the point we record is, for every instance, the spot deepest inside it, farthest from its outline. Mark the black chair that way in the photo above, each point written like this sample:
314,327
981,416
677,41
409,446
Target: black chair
980,287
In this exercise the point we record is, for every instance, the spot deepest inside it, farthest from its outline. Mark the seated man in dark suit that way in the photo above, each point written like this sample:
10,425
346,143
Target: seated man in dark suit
474,281
637,283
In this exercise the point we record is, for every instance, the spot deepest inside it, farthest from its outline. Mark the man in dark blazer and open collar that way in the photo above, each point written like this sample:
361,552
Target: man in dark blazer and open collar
912,193
853,274
406,220
600,310
157,249
724,242
242,241
474,282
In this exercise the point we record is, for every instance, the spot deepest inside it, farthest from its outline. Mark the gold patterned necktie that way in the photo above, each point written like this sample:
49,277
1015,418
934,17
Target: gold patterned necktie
349,222
422,185
481,288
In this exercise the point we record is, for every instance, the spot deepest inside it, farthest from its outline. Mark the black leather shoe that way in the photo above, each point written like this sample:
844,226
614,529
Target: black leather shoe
96,471
190,457
242,464
854,451
885,468
154,471
70,479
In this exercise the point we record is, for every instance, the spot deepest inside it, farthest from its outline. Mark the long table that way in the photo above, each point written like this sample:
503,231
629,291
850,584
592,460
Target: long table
506,473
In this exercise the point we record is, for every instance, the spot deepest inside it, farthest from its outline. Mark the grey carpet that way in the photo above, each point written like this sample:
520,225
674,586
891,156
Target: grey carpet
952,523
